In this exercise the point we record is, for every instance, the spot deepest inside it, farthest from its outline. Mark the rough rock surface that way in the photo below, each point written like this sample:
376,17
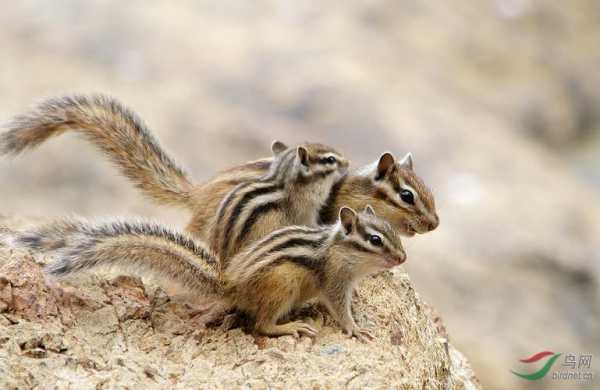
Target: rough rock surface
102,333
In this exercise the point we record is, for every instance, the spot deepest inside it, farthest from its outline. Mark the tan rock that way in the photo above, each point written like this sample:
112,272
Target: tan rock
121,332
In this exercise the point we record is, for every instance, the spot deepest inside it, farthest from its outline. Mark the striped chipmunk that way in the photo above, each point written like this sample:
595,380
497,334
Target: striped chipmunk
391,186
291,191
268,279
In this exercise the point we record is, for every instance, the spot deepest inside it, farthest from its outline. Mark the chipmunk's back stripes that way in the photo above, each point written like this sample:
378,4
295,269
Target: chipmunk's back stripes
328,213
281,197
298,242
276,238
242,208
309,262
253,217
252,191
298,245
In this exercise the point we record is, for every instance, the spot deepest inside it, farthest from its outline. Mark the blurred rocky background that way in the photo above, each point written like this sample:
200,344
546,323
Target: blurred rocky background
498,101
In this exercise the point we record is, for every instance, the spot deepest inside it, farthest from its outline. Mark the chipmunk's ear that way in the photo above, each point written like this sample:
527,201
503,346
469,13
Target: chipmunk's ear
303,155
407,161
369,210
278,147
386,162
348,219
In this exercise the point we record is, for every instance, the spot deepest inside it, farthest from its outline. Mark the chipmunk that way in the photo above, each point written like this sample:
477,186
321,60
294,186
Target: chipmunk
392,187
291,193
267,280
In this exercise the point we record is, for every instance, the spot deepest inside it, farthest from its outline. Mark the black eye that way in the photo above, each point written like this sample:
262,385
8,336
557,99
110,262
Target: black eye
407,196
328,160
375,240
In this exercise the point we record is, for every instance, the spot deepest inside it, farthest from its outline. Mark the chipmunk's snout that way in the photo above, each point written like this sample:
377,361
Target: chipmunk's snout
433,222
401,257
423,225
396,259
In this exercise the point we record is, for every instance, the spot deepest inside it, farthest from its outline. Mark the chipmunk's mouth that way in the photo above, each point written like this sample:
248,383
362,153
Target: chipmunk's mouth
409,231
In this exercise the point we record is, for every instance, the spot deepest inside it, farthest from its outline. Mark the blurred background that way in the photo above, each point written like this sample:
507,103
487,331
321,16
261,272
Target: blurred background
498,101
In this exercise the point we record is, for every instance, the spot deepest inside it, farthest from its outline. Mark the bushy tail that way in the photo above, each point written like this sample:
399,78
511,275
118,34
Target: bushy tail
51,237
137,247
116,130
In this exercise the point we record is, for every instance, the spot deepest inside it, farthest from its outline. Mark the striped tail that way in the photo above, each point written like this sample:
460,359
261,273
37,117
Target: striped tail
139,248
113,128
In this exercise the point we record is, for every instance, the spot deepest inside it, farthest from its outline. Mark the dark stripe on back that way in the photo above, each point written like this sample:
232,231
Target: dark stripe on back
308,262
285,231
247,197
299,242
328,213
229,199
253,217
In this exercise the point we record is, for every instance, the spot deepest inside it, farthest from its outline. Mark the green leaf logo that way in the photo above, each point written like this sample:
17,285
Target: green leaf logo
544,370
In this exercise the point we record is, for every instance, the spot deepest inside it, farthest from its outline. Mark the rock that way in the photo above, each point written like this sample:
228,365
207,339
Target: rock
118,335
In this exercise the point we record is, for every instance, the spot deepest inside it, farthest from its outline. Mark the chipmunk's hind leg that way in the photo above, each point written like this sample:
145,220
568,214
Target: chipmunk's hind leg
272,311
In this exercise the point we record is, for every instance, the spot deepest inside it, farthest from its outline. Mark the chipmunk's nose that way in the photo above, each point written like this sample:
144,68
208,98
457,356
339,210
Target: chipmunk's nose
401,258
434,222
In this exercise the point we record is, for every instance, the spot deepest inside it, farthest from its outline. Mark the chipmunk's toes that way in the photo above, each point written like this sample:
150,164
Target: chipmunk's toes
360,334
300,327
292,328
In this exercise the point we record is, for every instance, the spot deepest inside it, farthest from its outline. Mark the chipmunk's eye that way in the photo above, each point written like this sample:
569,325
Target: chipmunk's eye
407,197
328,160
375,240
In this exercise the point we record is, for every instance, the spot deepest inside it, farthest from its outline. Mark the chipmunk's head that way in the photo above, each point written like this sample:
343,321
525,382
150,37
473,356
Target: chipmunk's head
310,162
369,243
400,196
